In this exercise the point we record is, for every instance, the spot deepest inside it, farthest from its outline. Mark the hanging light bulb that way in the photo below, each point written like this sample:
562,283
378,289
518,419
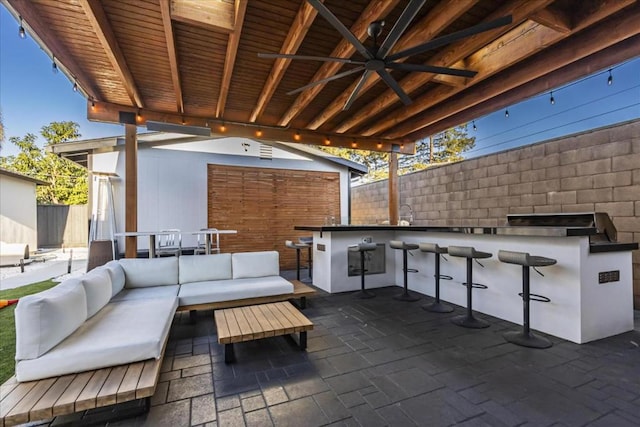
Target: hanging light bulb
259,133
552,100
610,78
379,145
54,66
474,125
75,86
223,128
506,113
21,32
138,115
93,104
354,144
327,141
297,136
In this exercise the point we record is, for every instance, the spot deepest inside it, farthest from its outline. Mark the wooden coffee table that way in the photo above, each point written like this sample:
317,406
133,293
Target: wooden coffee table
253,322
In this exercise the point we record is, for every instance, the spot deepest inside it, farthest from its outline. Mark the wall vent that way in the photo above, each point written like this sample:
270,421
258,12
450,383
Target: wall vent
266,152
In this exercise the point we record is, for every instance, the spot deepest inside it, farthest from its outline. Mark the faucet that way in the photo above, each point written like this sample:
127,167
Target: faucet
410,212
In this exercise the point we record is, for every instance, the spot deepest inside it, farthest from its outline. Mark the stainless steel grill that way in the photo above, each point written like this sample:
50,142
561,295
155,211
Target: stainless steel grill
606,231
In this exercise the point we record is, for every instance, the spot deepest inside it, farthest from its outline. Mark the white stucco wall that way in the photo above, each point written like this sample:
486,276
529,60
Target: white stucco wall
172,184
18,211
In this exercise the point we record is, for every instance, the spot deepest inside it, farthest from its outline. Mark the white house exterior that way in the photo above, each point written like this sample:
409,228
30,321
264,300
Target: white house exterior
18,209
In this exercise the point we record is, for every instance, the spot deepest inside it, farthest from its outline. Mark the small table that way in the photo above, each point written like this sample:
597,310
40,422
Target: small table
253,322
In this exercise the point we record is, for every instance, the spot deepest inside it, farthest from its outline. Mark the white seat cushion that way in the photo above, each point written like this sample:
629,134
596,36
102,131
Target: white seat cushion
199,268
166,291
255,264
225,290
97,286
122,332
143,272
46,318
116,273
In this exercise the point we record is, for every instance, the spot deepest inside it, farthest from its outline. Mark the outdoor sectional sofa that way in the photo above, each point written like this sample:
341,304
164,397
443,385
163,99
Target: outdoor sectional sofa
120,314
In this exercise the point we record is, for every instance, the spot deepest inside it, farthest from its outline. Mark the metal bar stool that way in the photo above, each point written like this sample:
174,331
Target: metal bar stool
405,248
363,248
308,240
525,337
298,247
436,306
468,320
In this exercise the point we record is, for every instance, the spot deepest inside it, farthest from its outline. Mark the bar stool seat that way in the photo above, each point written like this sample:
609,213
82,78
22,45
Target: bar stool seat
468,320
362,248
437,306
298,247
525,337
405,248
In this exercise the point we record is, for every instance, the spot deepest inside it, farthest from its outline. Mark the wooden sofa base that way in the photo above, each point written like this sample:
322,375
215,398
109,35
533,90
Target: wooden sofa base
50,397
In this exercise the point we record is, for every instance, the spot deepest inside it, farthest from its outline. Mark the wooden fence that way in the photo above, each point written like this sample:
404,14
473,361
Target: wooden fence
62,225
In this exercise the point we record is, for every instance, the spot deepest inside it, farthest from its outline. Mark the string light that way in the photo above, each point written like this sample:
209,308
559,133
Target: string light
183,121
327,141
297,136
223,128
354,144
474,125
610,78
506,113
259,133
54,66
21,32
138,115
552,100
379,145
93,104
75,86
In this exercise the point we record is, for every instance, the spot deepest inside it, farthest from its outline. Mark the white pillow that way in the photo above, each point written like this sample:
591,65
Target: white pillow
255,264
116,274
97,286
202,268
143,272
45,319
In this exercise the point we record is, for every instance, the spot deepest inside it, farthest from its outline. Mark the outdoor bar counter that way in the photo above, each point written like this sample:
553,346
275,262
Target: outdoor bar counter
582,309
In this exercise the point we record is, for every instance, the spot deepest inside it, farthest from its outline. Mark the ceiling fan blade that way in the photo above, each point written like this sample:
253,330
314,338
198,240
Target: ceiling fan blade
430,69
354,94
326,13
328,79
450,38
393,84
400,26
309,58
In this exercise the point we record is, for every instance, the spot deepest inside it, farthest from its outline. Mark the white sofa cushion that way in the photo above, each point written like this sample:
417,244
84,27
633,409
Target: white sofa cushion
225,290
46,318
143,272
198,268
148,292
97,286
116,273
255,264
122,332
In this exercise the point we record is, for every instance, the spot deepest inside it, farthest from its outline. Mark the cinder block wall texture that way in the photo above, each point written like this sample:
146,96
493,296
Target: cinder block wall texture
597,170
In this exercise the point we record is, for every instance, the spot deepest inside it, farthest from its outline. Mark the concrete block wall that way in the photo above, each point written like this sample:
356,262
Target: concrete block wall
597,170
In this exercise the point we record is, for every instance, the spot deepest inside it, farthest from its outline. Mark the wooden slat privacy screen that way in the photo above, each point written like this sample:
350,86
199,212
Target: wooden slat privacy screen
264,204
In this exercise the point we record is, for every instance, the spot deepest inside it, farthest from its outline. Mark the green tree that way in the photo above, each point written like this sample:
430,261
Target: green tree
68,180
447,146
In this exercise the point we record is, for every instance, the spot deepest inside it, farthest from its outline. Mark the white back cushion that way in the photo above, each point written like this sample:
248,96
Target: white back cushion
201,268
97,286
143,272
116,274
255,264
45,319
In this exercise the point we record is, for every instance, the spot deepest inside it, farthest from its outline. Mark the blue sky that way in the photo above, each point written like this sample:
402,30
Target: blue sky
32,96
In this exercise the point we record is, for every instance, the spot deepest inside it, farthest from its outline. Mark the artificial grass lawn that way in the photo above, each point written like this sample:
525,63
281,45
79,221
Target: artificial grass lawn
8,326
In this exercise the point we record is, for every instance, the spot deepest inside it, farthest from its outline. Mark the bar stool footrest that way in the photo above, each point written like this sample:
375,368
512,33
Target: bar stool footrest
412,270
438,307
536,297
444,277
527,340
475,285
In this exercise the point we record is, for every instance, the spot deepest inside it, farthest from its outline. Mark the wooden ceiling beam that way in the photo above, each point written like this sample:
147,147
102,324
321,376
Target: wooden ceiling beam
109,113
439,18
518,9
376,10
301,24
488,64
620,52
553,18
217,15
165,11
45,37
102,27
230,57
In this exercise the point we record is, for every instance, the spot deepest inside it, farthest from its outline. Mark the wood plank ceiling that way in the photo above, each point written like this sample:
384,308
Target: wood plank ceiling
196,63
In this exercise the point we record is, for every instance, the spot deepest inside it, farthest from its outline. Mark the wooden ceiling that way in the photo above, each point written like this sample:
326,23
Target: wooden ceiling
195,62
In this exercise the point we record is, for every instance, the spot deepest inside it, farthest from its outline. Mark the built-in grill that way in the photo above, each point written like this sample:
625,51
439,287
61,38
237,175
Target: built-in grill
606,231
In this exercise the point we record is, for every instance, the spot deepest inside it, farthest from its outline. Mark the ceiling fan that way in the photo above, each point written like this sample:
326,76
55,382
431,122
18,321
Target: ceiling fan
378,60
